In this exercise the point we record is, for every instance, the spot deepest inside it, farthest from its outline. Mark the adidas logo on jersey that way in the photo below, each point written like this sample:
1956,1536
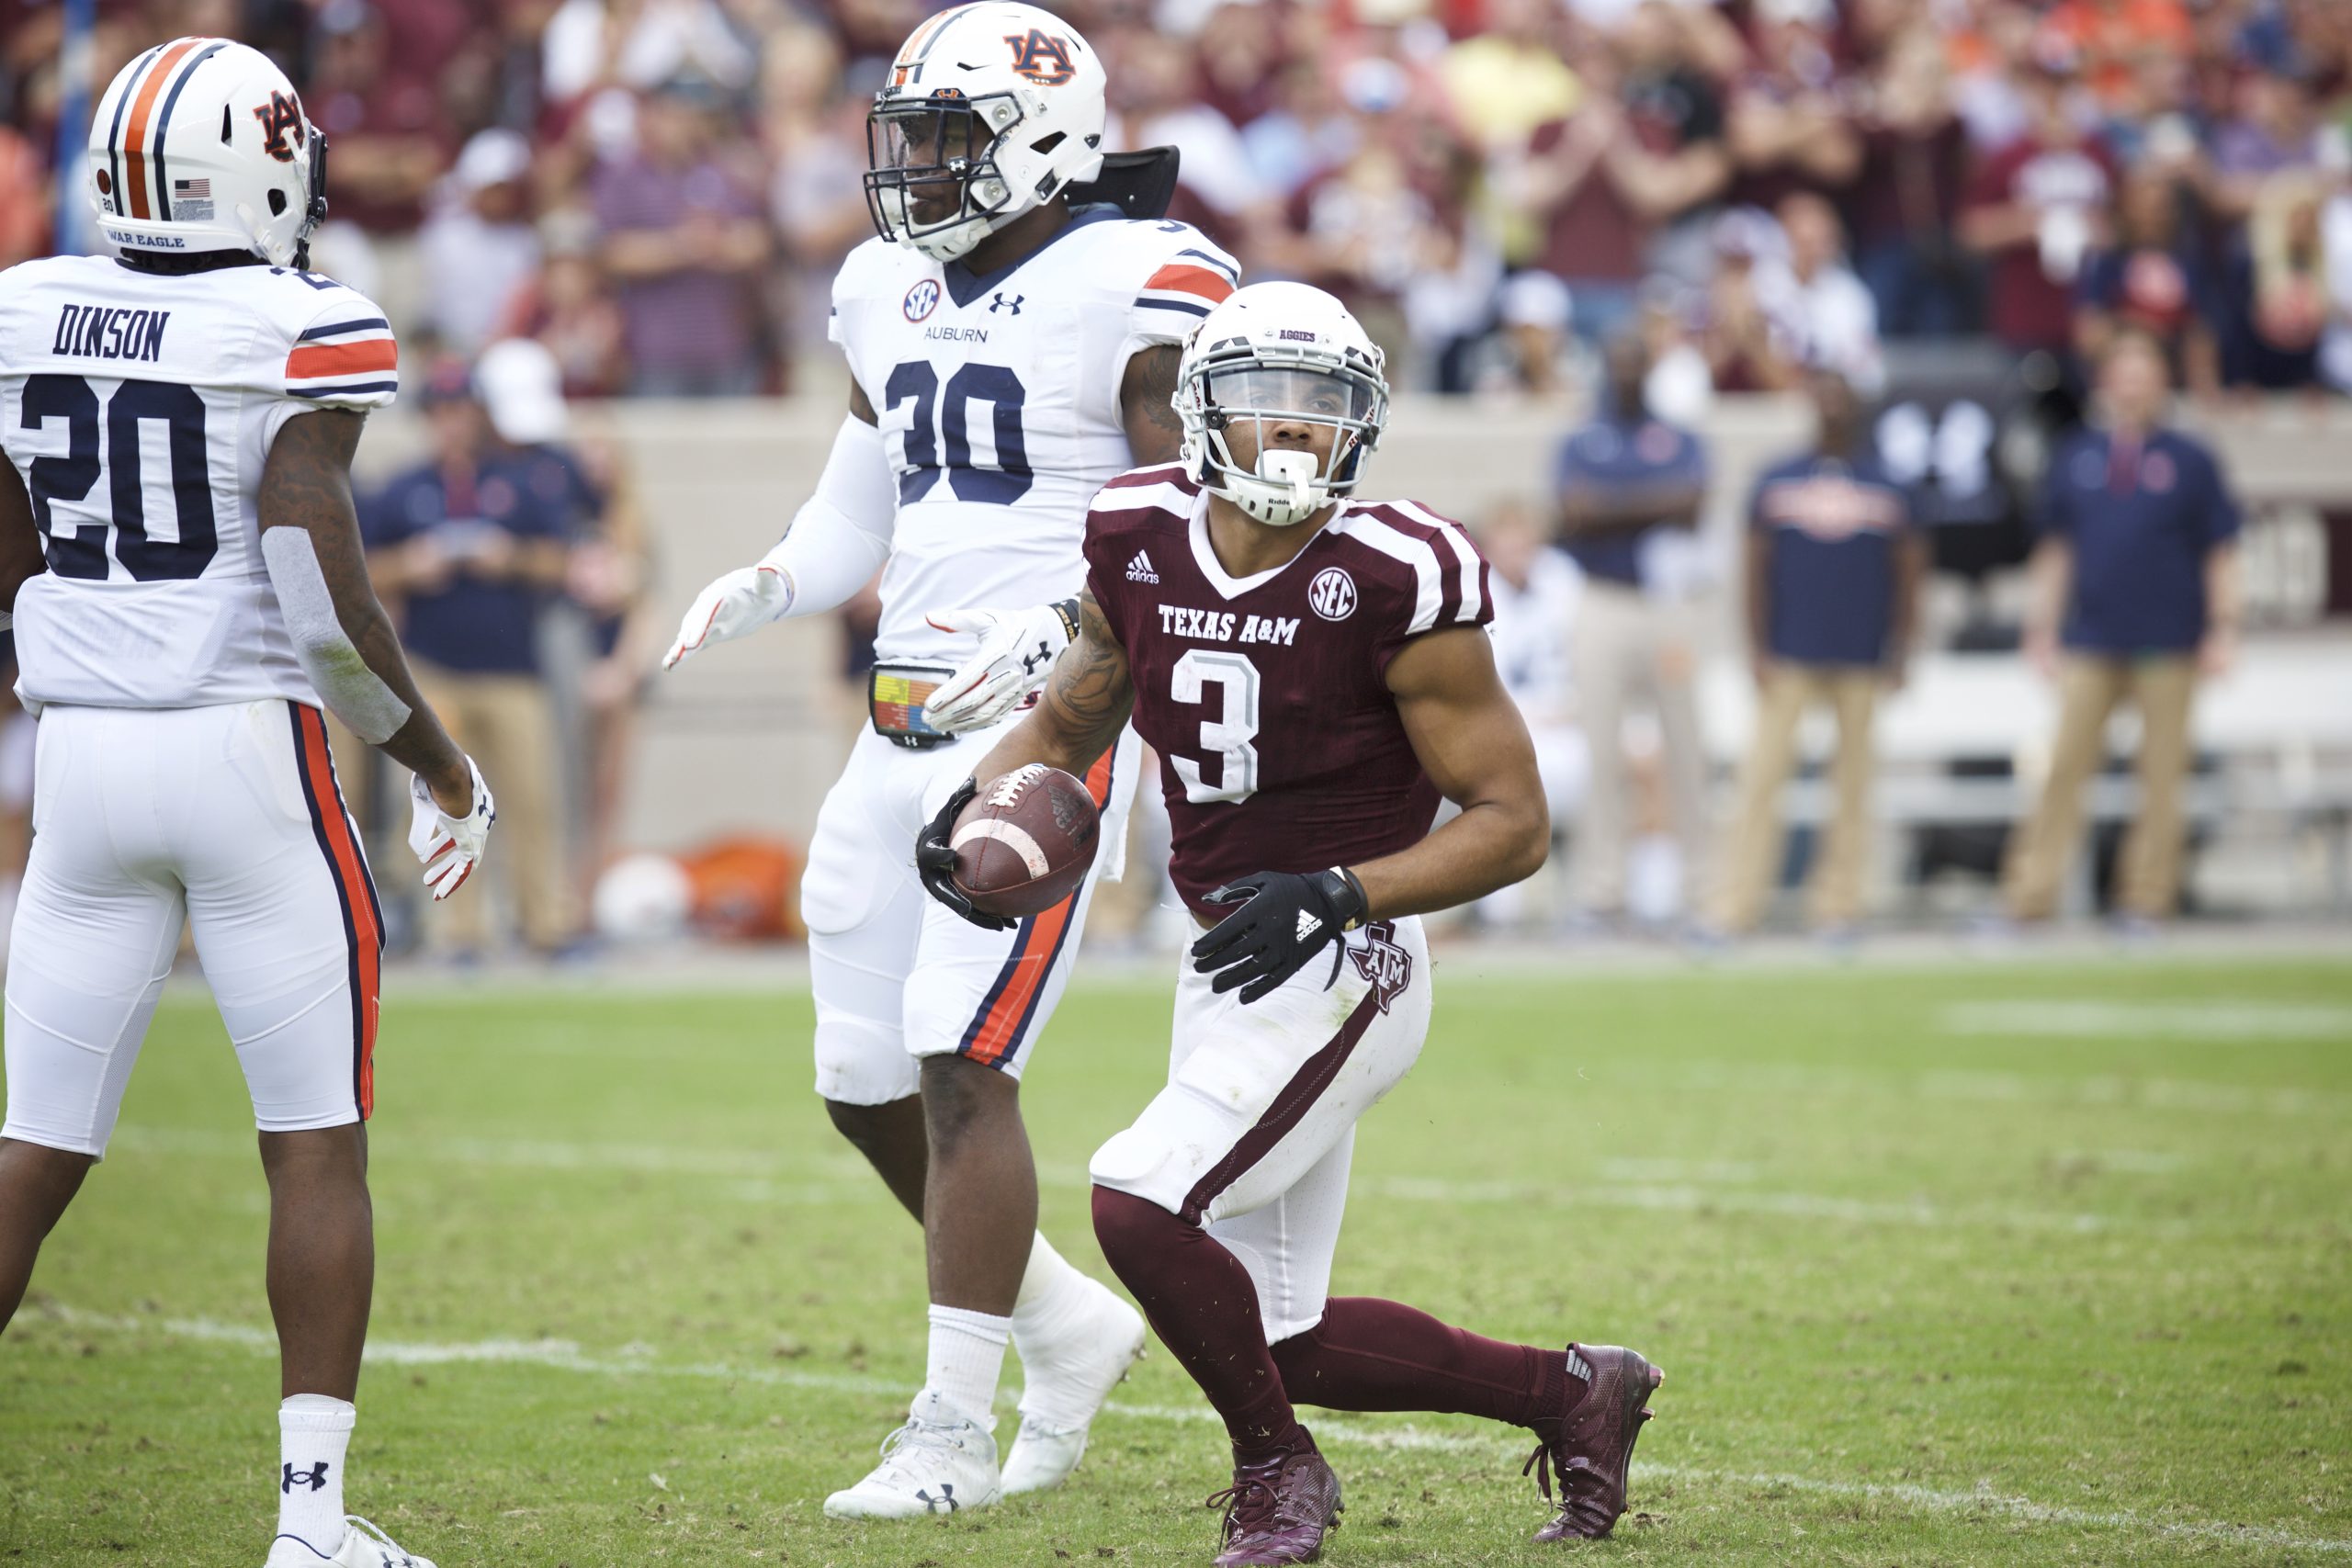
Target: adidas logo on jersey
1139,570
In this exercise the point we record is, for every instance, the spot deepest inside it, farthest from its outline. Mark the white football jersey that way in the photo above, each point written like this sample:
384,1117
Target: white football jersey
997,397
139,408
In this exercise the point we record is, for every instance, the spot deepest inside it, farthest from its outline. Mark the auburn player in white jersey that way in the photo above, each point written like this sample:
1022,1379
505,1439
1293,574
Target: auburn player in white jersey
181,559
1012,342
1315,672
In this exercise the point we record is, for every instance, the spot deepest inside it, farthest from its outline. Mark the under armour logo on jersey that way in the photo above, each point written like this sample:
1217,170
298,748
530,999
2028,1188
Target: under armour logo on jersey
281,114
1041,57
944,1504
1139,570
997,301
315,1478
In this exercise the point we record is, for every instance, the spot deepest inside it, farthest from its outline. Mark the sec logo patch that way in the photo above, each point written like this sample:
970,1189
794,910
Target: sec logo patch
921,299
1332,594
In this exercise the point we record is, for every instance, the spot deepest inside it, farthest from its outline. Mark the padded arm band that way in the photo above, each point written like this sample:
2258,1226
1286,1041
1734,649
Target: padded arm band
338,671
842,533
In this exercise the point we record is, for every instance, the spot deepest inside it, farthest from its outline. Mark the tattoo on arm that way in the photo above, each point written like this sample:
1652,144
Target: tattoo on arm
306,484
1148,405
1087,701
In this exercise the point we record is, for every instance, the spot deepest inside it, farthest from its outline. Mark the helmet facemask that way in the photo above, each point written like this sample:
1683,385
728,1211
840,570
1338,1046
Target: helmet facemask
1253,388
933,180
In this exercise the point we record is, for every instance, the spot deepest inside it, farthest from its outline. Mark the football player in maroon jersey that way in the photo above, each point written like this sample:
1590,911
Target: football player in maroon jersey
1313,670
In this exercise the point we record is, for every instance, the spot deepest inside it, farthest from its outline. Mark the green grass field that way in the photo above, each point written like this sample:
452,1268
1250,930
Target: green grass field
2004,1263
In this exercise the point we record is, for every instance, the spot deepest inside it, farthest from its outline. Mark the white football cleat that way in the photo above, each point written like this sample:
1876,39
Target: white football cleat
1081,1370
928,1467
364,1546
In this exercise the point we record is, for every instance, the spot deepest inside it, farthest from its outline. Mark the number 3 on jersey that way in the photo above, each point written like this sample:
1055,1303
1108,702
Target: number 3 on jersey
1000,485
83,551
1229,736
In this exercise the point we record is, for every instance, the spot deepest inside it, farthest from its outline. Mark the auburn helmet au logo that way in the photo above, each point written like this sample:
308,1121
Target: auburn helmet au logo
281,114
1041,57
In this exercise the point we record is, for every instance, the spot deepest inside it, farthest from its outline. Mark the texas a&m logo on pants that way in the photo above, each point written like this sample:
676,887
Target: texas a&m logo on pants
1386,967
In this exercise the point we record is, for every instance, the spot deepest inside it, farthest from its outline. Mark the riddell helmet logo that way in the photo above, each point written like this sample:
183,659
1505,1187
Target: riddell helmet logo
1332,594
1041,57
281,114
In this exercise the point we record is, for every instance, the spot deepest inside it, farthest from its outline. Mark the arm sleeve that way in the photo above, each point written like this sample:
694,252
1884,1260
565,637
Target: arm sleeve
842,533
339,353
1449,588
2222,519
1183,277
2053,517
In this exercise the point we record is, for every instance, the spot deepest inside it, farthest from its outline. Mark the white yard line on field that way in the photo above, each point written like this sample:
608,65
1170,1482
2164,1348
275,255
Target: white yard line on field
2235,1019
640,1360
1704,1187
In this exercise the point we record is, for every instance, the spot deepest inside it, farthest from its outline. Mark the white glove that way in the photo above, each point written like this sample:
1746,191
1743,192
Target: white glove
1017,652
449,846
743,601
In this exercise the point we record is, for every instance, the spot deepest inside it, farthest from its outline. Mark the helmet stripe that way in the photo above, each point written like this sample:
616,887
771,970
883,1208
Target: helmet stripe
134,139
163,126
114,131
918,45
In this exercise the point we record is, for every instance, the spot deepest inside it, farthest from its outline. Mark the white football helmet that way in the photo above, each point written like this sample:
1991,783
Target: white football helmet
991,111
1280,353
201,144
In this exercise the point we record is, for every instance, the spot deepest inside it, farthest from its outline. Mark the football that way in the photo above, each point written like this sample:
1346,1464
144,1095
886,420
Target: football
1024,843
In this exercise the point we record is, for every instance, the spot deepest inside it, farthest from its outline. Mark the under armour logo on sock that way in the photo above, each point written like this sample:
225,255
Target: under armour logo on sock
315,1478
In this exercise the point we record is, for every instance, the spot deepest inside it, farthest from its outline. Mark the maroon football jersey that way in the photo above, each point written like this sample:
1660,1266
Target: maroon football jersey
1266,697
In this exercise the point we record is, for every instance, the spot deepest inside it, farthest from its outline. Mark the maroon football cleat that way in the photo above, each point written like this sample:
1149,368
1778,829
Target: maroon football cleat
1277,1512
1590,1444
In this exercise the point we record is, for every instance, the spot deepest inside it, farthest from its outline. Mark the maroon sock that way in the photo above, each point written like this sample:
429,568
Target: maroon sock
1369,1354
1203,1306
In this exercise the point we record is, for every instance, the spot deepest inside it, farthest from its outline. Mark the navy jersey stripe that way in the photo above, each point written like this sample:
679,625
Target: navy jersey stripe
164,124
371,324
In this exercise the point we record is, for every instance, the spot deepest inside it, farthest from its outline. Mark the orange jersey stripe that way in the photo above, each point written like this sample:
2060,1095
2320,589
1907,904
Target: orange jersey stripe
995,1037
1180,279
342,359
318,772
151,87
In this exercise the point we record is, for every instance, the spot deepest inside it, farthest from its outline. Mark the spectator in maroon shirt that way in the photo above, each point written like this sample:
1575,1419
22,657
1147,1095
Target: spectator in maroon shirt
2035,210
1906,198
390,138
2154,278
1788,129
1627,173
685,243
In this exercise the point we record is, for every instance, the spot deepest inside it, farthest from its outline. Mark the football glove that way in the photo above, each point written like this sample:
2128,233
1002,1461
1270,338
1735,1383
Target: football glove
936,862
1285,920
449,847
1016,654
743,601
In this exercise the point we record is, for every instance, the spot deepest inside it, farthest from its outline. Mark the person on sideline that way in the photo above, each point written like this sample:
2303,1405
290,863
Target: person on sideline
2136,579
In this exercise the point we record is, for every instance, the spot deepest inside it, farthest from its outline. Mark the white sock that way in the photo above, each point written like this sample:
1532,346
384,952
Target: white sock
1056,1304
966,1354
313,1433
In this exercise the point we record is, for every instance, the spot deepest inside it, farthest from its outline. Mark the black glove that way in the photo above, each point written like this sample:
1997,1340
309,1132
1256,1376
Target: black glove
936,862
1285,920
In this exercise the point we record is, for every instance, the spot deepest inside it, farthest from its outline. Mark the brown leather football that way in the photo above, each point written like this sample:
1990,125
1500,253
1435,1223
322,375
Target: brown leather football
1024,843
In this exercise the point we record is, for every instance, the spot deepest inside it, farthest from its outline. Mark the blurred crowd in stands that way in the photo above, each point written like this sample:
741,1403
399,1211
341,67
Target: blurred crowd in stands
659,190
